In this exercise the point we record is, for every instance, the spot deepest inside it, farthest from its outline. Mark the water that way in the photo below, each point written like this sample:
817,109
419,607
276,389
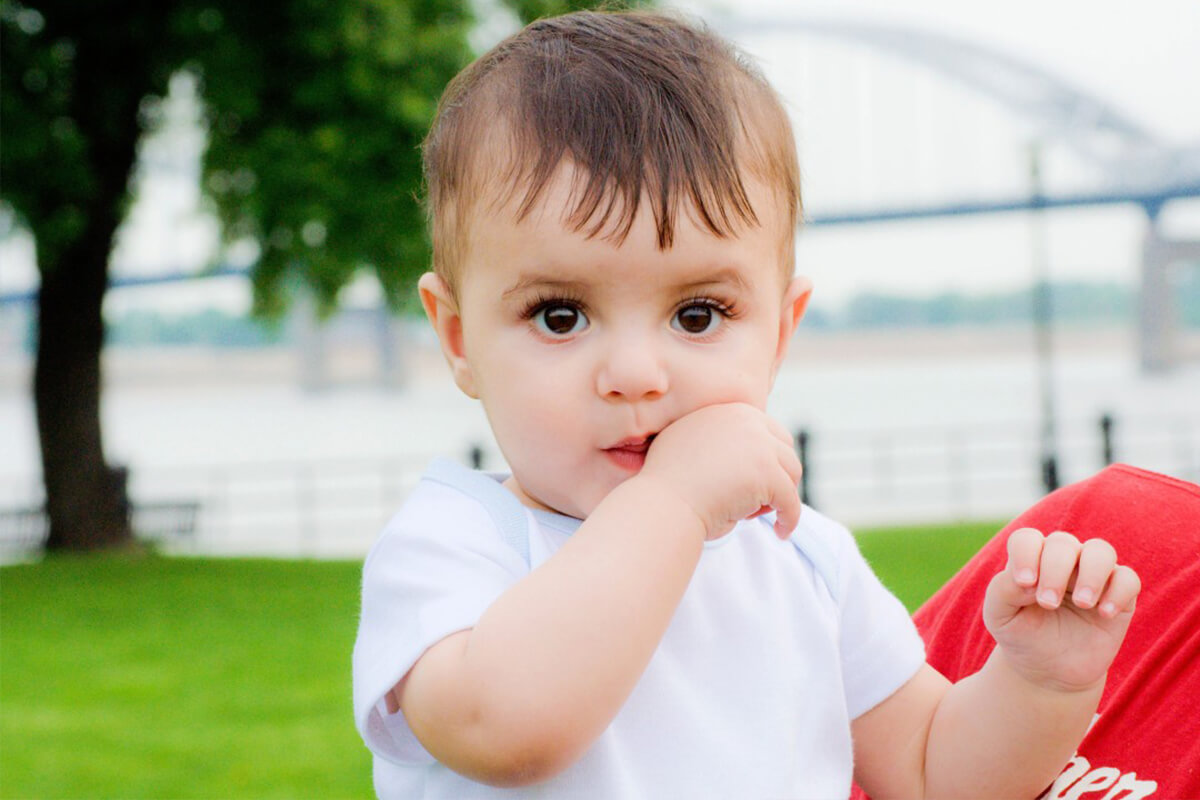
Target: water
911,426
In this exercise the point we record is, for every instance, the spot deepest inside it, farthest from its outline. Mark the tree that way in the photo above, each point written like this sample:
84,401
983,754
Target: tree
73,81
315,110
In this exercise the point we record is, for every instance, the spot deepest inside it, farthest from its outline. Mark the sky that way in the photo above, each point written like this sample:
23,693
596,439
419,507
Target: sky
1143,57
872,131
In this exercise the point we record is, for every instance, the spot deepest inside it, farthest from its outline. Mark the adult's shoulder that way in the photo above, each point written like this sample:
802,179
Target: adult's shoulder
1110,496
1150,518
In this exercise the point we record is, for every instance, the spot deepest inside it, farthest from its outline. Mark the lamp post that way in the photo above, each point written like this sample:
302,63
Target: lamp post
1043,313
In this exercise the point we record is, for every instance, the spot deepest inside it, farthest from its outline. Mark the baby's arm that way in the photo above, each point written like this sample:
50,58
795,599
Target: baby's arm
1058,612
522,694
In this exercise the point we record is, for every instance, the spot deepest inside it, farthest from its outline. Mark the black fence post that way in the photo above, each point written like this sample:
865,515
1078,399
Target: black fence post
476,456
802,437
118,476
1050,480
1106,437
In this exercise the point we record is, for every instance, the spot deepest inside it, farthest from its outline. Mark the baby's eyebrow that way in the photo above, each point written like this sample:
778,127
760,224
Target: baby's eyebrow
718,277
527,282
693,282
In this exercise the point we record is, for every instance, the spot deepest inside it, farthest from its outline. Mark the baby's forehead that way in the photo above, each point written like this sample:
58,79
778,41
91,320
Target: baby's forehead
547,240
570,196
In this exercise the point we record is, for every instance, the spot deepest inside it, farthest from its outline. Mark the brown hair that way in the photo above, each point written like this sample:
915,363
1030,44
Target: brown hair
641,103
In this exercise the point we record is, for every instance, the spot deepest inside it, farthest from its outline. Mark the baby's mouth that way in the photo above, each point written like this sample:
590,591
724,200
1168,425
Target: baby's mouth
634,444
630,453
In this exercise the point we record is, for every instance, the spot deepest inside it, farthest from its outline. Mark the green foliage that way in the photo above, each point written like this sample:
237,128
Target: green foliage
65,126
33,98
315,113
529,10
314,110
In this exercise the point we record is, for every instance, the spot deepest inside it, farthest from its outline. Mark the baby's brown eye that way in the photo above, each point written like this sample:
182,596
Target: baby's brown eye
696,319
560,320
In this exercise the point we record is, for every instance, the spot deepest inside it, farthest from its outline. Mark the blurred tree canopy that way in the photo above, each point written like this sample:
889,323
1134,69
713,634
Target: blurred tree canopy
314,110
315,117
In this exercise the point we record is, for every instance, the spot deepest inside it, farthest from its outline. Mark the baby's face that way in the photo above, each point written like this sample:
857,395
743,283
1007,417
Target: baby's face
581,350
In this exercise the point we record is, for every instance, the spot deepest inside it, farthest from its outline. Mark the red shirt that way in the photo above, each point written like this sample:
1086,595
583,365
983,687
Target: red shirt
1145,740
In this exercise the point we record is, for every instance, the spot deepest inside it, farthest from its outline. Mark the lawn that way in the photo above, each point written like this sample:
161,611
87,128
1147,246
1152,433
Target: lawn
914,561
164,678
153,677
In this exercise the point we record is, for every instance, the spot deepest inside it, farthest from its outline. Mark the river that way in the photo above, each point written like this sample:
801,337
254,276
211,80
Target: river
904,426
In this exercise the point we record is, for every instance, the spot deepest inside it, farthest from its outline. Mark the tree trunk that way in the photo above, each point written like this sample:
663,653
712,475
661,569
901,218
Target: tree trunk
114,68
85,498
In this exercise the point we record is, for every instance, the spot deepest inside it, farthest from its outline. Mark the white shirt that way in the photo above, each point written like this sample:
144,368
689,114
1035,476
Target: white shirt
775,647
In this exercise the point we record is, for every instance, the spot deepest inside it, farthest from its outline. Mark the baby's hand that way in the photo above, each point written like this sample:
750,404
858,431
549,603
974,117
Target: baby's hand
1060,608
728,462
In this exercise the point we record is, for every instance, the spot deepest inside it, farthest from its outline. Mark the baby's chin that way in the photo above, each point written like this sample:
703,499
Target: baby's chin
556,500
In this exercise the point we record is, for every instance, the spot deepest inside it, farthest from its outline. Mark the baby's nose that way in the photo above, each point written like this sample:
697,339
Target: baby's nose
632,369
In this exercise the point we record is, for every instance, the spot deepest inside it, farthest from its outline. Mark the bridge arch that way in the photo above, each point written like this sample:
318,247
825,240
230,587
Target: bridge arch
1136,166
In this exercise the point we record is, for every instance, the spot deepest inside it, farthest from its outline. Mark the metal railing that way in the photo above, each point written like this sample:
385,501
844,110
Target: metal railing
335,508
983,472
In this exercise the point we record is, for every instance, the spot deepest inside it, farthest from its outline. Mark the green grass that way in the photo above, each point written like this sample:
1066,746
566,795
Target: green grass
152,677
169,678
914,561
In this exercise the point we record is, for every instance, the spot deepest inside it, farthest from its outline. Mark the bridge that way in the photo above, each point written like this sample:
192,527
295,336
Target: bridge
1129,164
1125,164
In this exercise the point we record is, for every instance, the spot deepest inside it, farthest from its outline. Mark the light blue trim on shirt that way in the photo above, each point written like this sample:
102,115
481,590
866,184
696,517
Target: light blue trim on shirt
814,550
510,516
818,554
502,505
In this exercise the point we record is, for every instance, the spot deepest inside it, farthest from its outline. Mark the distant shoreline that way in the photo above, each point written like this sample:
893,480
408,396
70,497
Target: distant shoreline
355,363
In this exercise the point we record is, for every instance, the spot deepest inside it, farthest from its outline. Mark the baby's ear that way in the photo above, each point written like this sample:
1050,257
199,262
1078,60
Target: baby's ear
442,310
795,301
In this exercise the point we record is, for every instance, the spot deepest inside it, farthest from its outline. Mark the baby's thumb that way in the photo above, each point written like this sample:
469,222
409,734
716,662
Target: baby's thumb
1004,599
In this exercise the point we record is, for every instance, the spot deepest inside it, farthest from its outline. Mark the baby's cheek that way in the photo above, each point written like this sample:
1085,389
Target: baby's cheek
741,386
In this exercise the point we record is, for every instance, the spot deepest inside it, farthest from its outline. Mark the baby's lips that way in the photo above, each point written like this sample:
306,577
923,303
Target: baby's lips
634,444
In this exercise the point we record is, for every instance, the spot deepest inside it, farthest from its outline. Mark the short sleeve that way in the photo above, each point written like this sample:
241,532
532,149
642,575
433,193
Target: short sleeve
880,647
439,564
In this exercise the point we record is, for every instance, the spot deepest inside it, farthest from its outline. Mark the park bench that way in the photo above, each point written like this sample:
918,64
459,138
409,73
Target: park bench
23,531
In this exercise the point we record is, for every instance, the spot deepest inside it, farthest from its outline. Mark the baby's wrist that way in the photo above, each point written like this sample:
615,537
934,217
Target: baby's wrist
666,496
1045,681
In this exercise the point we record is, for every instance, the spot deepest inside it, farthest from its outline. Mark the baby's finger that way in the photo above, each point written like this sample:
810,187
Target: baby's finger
781,433
1004,599
1025,555
790,463
1097,558
1060,555
787,510
1121,595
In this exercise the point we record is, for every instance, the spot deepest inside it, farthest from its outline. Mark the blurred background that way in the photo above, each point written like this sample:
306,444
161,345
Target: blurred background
207,207
1002,214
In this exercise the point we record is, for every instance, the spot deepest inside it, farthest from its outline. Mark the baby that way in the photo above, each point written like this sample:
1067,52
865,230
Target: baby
642,608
